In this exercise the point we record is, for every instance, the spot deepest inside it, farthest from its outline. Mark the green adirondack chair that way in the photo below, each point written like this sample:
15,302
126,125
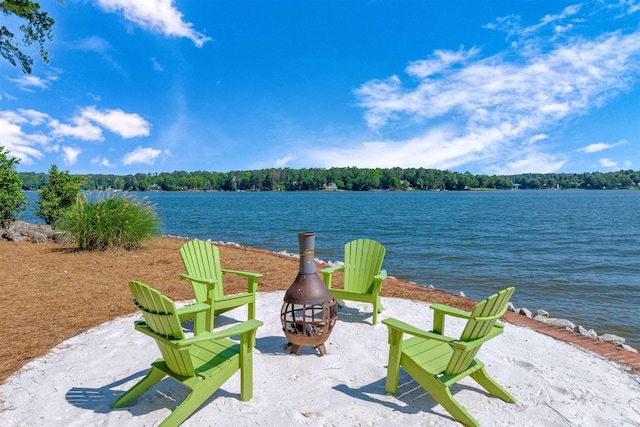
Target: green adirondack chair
202,362
363,275
436,361
202,262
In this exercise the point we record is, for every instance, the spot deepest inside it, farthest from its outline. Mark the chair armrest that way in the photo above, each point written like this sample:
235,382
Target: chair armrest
192,309
497,316
242,273
416,332
377,282
439,312
330,270
470,345
450,311
240,328
252,278
381,275
327,274
201,314
198,279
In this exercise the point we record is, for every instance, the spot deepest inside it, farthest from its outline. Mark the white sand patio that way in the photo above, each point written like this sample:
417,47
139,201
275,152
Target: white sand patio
556,384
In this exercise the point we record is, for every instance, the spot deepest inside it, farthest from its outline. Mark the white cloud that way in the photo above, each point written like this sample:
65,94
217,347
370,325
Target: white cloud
93,44
19,133
80,129
102,161
534,162
142,155
88,124
536,138
566,80
29,83
442,59
127,125
497,105
34,117
600,146
156,15
511,24
437,148
70,156
20,145
280,163
550,19
607,163
563,28
156,66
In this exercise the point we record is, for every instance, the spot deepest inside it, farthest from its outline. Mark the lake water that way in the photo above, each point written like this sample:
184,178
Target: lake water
575,254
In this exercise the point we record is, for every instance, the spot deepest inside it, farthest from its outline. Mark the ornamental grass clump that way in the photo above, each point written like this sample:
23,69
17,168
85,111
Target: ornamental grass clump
117,221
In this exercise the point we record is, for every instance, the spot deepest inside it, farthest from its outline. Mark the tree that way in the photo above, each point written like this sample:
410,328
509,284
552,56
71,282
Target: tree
12,199
58,195
37,29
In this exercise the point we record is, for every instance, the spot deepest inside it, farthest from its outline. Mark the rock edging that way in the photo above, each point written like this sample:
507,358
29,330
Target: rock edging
544,317
19,231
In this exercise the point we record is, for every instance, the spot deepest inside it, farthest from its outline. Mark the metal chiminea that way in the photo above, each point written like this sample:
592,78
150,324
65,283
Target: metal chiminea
309,311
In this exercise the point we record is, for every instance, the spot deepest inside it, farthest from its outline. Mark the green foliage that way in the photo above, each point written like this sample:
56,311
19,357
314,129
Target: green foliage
350,178
58,195
117,221
37,29
12,199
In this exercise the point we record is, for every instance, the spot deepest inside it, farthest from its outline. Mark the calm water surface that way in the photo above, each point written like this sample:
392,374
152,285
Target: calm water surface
575,254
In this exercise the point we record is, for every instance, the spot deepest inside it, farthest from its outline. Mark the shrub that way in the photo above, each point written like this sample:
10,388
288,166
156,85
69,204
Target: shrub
117,221
58,195
12,199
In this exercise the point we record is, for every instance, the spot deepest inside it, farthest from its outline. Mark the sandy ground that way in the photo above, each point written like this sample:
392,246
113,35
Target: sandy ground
49,293
555,384
70,349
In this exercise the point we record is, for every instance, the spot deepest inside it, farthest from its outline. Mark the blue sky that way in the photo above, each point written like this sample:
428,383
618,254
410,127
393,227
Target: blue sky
493,87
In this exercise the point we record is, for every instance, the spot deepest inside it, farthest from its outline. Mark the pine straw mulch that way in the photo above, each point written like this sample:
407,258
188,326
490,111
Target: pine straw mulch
49,292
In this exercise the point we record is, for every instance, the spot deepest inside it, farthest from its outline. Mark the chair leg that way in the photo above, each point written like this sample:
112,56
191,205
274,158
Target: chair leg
482,377
247,342
193,401
251,310
442,395
374,320
152,378
251,315
377,308
202,322
393,366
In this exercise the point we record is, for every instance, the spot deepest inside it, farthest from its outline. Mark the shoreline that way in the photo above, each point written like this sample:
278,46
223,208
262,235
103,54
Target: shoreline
539,315
549,273
50,284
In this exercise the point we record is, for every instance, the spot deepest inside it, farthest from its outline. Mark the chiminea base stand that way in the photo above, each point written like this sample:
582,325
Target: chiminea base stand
295,348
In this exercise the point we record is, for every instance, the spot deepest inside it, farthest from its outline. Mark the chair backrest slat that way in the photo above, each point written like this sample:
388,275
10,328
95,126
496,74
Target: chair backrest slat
362,260
202,259
161,318
482,319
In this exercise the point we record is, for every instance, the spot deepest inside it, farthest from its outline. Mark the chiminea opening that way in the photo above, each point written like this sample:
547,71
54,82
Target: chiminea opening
309,311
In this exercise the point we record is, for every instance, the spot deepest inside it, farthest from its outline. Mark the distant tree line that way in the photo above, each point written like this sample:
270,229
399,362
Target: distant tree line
350,178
